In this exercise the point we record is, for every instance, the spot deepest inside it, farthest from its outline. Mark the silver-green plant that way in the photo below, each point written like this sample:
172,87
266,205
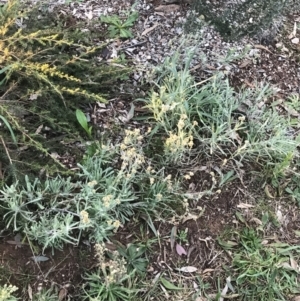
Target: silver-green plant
110,281
46,295
111,185
209,118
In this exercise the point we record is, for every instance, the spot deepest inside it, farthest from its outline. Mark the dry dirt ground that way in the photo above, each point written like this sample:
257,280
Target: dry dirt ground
277,63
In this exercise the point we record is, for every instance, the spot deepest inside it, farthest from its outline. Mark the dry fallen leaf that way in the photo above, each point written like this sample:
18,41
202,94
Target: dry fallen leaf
167,8
269,195
224,292
180,250
244,206
173,237
39,258
130,113
261,47
188,269
286,265
29,291
147,30
167,296
245,63
38,130
279,216
188,217
294,263
293,34
207,271
256,220
17,241
195,286
62,294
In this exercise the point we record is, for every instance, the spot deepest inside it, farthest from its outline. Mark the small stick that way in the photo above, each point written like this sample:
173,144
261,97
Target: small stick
6,150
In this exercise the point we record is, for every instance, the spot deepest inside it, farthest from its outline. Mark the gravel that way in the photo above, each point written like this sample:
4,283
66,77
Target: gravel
159,31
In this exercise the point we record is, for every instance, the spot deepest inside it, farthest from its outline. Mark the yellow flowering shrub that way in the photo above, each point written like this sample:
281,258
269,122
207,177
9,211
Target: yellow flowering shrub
45,73
25,54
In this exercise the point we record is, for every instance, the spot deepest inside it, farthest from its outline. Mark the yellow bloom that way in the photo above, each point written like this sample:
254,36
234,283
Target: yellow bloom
180,124
183,116
84,217
6,52
92,183
44,67
159,196
116,224
6,291
107,200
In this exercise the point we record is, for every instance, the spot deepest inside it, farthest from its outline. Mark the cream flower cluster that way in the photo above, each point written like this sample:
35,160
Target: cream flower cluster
181,141
6,292
114,269
132,155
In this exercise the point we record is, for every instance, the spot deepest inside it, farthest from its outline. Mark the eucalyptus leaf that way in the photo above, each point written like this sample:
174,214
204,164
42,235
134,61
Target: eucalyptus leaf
39,258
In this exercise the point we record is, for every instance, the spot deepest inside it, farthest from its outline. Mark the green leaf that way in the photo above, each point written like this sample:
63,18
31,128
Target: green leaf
265,218
113,32
131,19
4,70
151,225
9,128
297,233
125,33
228,177
227,244
169,285
240,217
81,118
130,113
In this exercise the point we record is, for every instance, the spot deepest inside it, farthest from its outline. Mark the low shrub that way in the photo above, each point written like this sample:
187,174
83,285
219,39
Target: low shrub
197,121
46,73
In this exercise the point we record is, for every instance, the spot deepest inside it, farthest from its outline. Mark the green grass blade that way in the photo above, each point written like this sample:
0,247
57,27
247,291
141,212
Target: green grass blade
9,128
